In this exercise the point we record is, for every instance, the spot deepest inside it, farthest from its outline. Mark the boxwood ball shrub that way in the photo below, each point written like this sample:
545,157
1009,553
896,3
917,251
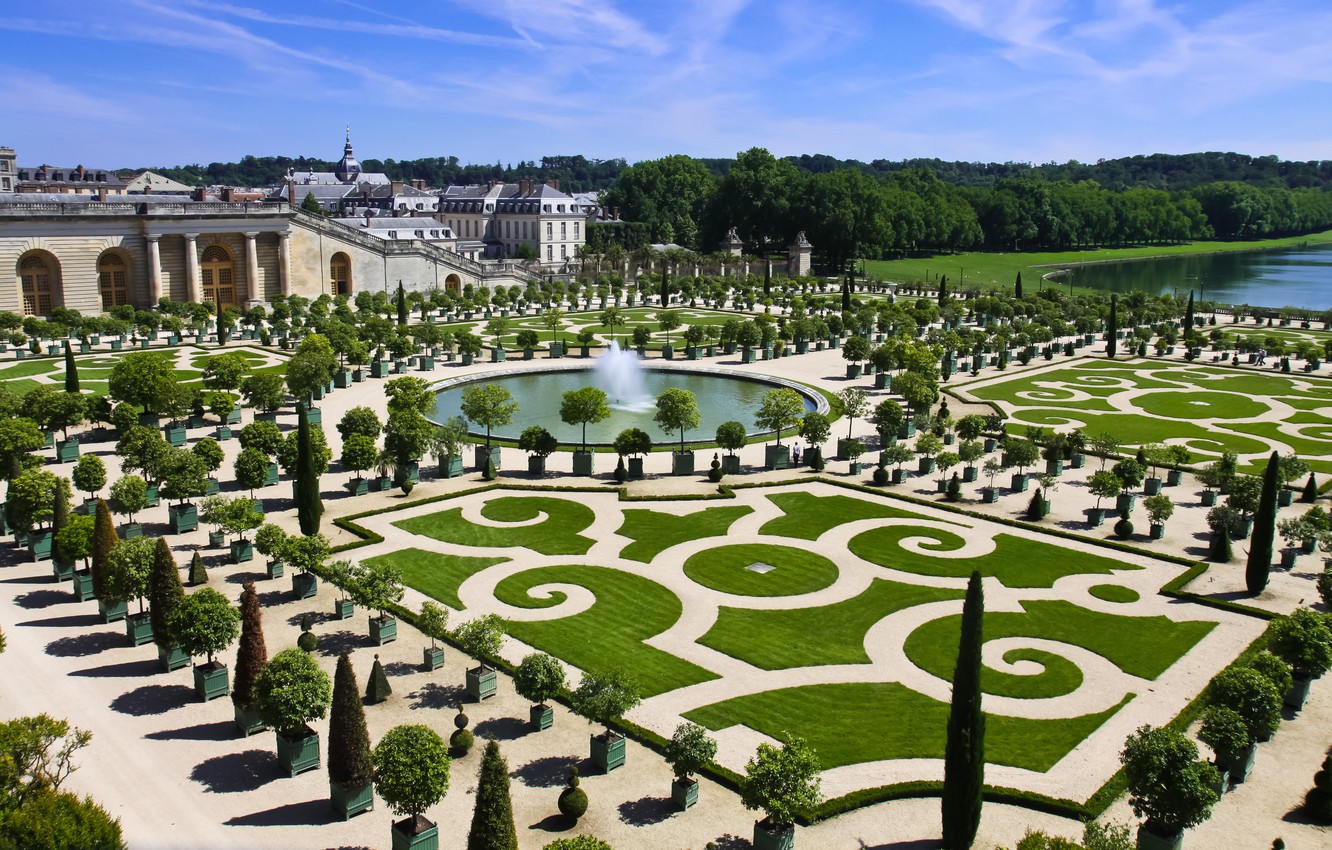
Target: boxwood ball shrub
1251,695
573,799
1124,529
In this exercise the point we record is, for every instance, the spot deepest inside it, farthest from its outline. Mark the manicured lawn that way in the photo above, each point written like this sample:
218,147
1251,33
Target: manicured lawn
1016,561
1197,405
610,634
28,368
436,575
1140,646
1114,593
808,516
556,534
724,569
653,532
777,640
875,721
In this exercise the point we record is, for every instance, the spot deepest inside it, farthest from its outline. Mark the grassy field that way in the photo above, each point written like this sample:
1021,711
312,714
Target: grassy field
556,533
1000,270
726,569
653,532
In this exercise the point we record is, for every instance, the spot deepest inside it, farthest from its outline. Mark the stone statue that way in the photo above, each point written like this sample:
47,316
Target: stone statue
732,235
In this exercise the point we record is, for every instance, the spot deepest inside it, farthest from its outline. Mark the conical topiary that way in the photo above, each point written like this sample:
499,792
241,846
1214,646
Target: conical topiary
621,474
164,592
1221,548
104,540
461,740
1036,507
1318,802
349,765
252,654
1259,565
573,799
1310,493
954,487
491,473
198,572
71,370
377,689
492,818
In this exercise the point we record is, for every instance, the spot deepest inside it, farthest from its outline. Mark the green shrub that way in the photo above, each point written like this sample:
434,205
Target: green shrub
308,641
584,842
1251,695
461,742
573,800
59,821
1274,669
1318,802
1124,529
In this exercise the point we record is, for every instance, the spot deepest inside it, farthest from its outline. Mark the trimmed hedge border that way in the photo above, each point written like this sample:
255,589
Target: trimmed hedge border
1093,807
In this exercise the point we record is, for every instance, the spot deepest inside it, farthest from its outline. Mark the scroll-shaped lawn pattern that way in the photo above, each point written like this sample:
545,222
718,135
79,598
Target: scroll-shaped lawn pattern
1178,404
807,516
1140,646
777,640
557,534
628,610
853,723
796,571
653,532
436,575
1015,561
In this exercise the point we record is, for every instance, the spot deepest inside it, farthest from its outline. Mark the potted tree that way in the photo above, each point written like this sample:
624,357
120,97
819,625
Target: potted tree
897,454
89,476
815,429
304,553
411,773
251,656
449,439
854,449
731,436
342,575
538,678
782,782
580,407
688,751
1224,731
780,409
270,540
205,623
854,402
480,638
1304,641
603,697
129,496
1130,474
291,691
376,586
492,406
1159,509
349,767
359,454
678,411
1169,786
74,543
184,477
128,568
1103,484
633,442
539,443
433,622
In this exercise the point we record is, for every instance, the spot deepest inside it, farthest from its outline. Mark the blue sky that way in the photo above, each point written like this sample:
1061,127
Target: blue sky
123,83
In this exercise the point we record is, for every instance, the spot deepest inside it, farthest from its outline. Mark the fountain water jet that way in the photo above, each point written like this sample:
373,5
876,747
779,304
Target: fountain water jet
620,375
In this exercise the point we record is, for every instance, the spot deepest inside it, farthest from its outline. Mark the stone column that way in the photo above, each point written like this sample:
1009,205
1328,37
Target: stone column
284,261
251,268
194,286
154,270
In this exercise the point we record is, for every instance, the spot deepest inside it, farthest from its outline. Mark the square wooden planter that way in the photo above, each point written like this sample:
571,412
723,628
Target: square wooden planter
171,658
358,486
608,751
343,609
482,683
39,544
1298,695
635,468
183,518
479,457
383,630
415,834
111,610
684,794
139,629
730,464
62,570
304,585
778,837
451,467
1148,840
583,463
241,551
432,658
682,463
211,681
67,451
541,716
248,721
83,585
275,568
299,754
217,539
776,457
348,803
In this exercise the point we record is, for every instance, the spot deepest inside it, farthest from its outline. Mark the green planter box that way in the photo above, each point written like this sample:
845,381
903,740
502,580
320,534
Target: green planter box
583,462
1298,695
272,477
183,518
925,466
608,751
1054,467
275,568
314,416
970,474
343,609
358,486
482,683
379,369
39,544
776,457
67,451
383,630
1174,477
304,585
212,487
139,629
1152,486
298,754
684,794
853,371
635,468
1124,503
222,434
62,570
989,495
1155,531
747,356
432,658
427,364
536,465
348,803
730,464
404,838
83,585
779,837
682,463
175,435
210,681
1285,497
381,484
541,716
342,380
241,551
217,539
1208,499
1019,483
451,467
111,610
1148,840
479,457
497,355
171,658
1095,516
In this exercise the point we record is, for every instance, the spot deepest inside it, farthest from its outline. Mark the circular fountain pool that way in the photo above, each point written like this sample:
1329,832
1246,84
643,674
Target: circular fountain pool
721,396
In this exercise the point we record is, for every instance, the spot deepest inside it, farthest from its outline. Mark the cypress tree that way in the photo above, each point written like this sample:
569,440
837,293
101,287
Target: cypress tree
104,540
964,751
1221,548
60,507
665,283
348,739
1188,319
378,688
767,279
164,592
943,293
252,653
1264,530
846,293
1112,328
198,572
402,305
1310,492
492,819
309,505
1017,286
71,370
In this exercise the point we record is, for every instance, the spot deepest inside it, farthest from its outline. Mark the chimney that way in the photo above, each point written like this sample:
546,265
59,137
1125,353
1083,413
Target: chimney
46,170
228,195
101,194
418,183
147,188
554,183
396,187
525,186
80,172
291,191
201,193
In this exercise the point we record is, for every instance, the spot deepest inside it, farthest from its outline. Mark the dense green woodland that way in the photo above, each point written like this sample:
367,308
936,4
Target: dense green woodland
882,209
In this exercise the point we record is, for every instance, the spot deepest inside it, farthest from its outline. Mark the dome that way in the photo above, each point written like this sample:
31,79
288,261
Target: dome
348,167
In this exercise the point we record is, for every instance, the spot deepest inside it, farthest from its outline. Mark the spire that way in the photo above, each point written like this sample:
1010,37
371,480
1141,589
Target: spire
348,169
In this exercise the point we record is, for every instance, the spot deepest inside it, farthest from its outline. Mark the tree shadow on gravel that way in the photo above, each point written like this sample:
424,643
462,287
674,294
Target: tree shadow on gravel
343,640
502,728
554,823
74,621
273,598
37,599
734,842
646,811
42,579
79,646
222,730
309,813
918,844
125,670
402,668
546,772
153,699
236,772
435,695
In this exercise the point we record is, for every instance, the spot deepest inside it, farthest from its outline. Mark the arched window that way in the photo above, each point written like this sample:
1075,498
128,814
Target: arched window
38,285
218,275
112,274
339,272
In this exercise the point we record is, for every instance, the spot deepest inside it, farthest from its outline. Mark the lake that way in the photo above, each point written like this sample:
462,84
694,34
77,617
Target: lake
1299,277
